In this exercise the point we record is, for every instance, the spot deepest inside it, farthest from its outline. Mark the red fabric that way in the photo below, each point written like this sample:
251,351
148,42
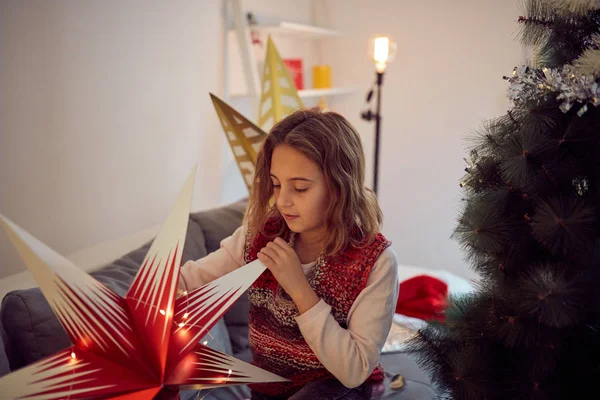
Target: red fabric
422,297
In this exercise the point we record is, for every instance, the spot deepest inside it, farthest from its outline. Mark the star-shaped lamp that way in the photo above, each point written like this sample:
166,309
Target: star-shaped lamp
143,346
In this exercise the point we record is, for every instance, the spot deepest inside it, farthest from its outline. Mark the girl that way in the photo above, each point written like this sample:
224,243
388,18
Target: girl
321,313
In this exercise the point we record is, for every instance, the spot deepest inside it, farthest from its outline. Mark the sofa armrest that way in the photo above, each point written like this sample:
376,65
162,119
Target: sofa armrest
4,364
32,328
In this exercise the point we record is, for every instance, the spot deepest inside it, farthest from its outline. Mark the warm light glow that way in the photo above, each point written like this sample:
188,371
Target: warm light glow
185,315
73,355
382,51
185,292
205,343
224,380
163,312
184,333
181,324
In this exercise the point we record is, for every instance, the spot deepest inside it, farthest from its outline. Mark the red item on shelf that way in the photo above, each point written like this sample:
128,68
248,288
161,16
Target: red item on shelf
423,297
294,65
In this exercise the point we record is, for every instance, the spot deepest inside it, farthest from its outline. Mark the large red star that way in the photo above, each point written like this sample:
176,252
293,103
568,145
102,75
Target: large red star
143,346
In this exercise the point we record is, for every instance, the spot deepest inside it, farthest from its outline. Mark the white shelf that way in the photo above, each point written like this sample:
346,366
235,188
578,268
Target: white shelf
308,93
292,28
312,93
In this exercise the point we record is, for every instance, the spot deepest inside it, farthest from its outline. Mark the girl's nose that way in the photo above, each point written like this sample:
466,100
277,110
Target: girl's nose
284,199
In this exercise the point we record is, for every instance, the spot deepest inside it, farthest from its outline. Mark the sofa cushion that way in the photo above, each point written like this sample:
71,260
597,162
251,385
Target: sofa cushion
119,274
216,225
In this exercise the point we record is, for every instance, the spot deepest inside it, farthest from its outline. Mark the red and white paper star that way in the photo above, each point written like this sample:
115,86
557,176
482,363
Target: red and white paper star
143,346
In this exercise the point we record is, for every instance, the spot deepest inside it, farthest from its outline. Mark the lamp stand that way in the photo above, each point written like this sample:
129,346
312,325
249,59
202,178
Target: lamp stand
368,115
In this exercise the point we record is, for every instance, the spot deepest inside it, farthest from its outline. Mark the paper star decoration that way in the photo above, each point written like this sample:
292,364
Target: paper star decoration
243,136
140,346
279,96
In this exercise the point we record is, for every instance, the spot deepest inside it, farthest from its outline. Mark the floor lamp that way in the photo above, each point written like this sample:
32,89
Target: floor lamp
382,51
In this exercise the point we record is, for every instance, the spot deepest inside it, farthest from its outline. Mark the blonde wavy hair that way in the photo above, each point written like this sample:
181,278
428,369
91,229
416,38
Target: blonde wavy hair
330,141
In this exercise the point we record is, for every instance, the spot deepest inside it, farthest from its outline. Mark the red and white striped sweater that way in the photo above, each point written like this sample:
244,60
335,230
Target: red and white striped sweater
276,341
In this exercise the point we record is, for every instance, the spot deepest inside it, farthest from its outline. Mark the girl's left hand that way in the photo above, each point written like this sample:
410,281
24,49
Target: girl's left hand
284,264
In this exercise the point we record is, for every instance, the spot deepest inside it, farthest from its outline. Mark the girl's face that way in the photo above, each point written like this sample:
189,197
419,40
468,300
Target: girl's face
300,191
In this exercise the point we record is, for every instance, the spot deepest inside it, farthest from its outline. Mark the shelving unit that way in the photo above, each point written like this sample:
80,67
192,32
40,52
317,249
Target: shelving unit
240,32
313,93
292,28
309,93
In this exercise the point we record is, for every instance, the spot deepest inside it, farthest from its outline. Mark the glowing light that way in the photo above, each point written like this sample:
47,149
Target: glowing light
382,50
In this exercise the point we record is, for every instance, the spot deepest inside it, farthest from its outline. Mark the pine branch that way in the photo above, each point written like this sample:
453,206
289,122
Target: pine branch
511,116
579,7
536,23
588,63
564,226
481,229
523,156
553,294
558,37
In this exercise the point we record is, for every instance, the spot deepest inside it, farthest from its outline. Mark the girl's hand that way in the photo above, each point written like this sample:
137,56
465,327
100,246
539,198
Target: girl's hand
285,266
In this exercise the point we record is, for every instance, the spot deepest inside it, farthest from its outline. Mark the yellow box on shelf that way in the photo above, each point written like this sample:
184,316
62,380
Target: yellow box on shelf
321,76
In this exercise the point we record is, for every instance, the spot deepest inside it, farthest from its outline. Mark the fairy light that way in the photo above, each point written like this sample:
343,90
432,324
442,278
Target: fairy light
205,342
228,375
163,312
185,315
73,356
181,325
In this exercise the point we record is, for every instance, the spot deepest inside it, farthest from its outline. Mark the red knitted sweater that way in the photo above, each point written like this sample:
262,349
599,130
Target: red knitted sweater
275,339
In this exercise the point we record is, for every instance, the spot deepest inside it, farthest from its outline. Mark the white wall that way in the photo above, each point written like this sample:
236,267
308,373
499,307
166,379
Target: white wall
446,79
104,111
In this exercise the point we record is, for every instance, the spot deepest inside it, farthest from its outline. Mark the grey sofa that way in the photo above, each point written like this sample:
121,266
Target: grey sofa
30,331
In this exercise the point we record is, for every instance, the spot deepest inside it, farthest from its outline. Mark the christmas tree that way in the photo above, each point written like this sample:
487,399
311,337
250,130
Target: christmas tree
530,227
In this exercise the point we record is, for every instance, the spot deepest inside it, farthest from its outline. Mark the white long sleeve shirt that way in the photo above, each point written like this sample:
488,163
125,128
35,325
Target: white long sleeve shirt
349,354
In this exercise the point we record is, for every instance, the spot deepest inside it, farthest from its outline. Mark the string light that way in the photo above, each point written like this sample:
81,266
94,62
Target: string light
205,343
73,356
199,394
